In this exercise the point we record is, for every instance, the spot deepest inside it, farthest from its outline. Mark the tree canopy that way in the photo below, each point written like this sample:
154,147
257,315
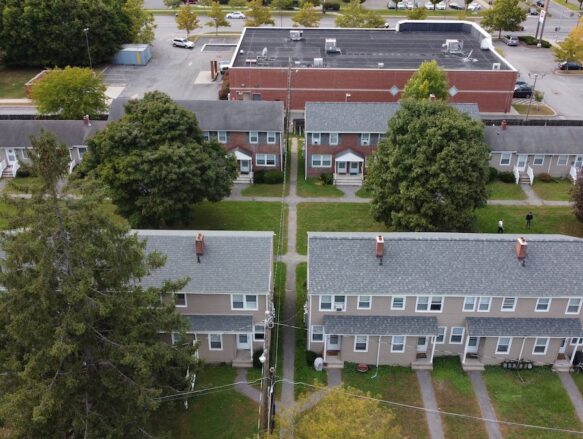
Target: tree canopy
187,19
71,93
257,14
354,15
307,16
142,24
156,164
80,347
577,196
504,15
428,80
430,171
217,17
50,33
172,3
571,48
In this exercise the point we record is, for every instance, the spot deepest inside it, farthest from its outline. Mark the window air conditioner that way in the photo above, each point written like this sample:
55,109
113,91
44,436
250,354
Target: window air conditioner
339,308
315,142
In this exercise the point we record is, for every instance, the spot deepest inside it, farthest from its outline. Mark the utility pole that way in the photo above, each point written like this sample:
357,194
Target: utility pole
535,76
267,375
541,21
86,31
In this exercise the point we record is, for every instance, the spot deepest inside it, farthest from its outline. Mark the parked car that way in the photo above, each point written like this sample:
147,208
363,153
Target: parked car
440,6
410,4
182,42
391,5
474,7
522,91
236,15
570,65
510,40
533,10
454,5
430,6
401,5
540,3
521,83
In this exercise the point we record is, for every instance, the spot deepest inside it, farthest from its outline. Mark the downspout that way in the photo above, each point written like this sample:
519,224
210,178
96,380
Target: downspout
550,163
574,351
521,349
378,355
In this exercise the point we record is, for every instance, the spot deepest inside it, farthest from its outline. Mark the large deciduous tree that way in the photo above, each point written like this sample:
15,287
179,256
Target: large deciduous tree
50,33
257,14
428,80
307,16
142,24
577,196
504,15
70,93
430,172
155,163
217,17
187,19
80,347
354,15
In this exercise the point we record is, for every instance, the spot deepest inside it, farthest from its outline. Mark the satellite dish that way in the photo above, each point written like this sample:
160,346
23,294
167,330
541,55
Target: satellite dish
319,364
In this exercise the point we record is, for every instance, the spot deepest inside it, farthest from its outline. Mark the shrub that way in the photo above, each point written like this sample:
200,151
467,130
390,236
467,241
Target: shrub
259,177
506,177
24,171
327,178
417,14
256,363
545,177
577,197
492,174
273,177
532,41
331,6
310,357
314,3
538,96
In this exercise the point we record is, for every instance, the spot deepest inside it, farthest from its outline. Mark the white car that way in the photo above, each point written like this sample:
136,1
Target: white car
440,6
236,15
430,6
409,4
401,5
182,42
474,7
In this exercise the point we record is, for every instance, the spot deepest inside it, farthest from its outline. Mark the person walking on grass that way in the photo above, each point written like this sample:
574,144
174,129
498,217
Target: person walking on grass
529,217
501,226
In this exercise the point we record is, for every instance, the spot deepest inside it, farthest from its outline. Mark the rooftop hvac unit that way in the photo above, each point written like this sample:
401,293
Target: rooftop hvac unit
296,35
496,66
264,51
318,62
381,65
485,44
453,46
330,46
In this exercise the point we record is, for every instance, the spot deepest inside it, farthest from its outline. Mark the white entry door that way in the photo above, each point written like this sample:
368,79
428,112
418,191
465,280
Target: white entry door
333,343
354,168
243,341
473,345
11,156
422,344
563,347
341,167
521,162
244,166
579,162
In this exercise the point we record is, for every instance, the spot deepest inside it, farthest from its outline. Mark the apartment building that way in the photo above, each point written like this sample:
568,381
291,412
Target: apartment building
229,288
404,298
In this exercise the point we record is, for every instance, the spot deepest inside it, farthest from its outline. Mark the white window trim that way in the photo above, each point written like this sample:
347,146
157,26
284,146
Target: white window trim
264,160
579,341
429,304
253,134
489,303
444,335
404,303
245,307
451,334
316,138
534,160
185,301
566,160
206,135
330,139
473,307
358,302
509,159
364,139
360,351
263,333
548,307
497,352
578,308
331,302
513,305
546,346
174,338
312,334
209,340
221,134
321,156
273,134
393,343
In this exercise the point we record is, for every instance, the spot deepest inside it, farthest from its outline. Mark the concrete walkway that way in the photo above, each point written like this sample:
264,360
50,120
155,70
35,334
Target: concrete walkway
429,402
485,404
573,393
246,389
334,377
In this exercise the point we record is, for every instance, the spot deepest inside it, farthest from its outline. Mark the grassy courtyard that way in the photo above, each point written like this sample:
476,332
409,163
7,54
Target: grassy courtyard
12,80
398,384
455,394
270,190
22,185
499,190
312,187
558,190
534,397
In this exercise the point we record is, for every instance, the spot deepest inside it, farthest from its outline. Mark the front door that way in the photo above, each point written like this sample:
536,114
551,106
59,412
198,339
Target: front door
579,162
243,341
11,156
563,347
244,166
422,344
473,345
354,168
333,343
341,167
521,162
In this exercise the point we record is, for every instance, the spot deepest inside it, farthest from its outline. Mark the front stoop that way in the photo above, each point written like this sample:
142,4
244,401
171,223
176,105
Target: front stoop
561,366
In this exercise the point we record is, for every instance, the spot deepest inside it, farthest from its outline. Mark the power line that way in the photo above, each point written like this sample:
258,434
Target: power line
196,392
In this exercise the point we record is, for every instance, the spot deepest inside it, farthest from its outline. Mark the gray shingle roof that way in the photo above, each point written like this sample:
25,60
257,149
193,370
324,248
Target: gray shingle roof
220,323
16,133
233,262
523,327
224,115
444,264
379,325
357,117
536,139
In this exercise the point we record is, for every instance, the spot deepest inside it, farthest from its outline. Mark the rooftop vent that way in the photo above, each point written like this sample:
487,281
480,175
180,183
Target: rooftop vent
380,248
381,65
496,66
199,246
318,62
503,125
330,46
296,35
453,46
520,248
264,51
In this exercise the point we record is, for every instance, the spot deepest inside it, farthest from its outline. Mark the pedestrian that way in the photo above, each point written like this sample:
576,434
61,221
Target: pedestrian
529,217
501,226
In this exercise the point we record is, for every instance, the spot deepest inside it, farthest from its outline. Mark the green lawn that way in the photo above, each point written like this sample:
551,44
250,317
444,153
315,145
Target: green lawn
12,80
240,215
270,190
498,190
23,185
578,378
333,217
397,384
7,211
226,414
535,110
302,371
312,186
534,397
454,393
556,190
363,193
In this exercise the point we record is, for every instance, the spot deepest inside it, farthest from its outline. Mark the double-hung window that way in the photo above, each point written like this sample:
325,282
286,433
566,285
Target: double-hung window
365,139
316,138
333,139
441,333
508,304
398,343
543,304
317,333
180,300
429,304
206,135
457,335
253,136
364,302
81,151
505,158
398,302
562,160
215,342
575,341
321,160
175,338
540,346
361,343
573,306
503,345
538,160
259,332
484,304
332,303
222,136
271,137
244,301
470,303
265,159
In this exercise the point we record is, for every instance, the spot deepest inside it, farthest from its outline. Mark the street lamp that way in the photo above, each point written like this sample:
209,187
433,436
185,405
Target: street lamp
86,32
534,76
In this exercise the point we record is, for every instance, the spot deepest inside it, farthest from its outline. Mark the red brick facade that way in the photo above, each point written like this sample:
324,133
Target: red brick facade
347,141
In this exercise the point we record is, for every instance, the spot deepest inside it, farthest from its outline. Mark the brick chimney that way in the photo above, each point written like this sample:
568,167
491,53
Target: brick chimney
199,246
503,125
521,248
86,120
380,248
